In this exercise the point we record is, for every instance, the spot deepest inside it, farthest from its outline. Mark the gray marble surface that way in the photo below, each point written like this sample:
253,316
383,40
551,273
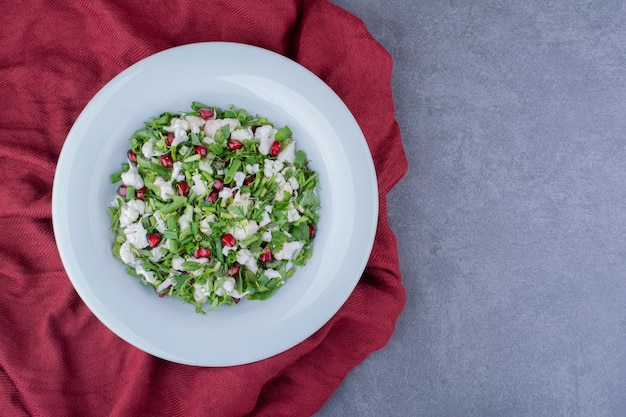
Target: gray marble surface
512,219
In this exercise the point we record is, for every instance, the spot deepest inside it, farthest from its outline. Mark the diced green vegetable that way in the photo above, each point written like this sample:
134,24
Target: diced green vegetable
188,247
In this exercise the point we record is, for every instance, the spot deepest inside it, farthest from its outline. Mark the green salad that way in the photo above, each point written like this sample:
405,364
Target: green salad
215,205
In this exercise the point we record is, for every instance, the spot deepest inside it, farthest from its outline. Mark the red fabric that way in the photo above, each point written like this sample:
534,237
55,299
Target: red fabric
56,358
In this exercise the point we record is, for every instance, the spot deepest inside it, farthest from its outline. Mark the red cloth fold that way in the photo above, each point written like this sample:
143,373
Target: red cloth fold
56,358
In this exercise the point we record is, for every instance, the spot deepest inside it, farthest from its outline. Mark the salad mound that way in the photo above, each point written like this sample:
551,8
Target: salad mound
215,205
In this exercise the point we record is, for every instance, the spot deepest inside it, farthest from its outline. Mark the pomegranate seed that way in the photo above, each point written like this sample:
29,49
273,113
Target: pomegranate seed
236,300
311,231
132,156
183,188
233,145
205,114
266,255
169,139
122,190
154,239
248,181
141,192
233,270
212,197
202,253
164,292
191,281
228,240
167,161
218,184
275,148
201,150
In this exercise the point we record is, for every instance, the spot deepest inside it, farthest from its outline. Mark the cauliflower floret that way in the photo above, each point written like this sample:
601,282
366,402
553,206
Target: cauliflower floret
239,178
179,127
131,178
165,187
176,171
148,149
177,264
288,251
267,236
271,167
157,253
205,224
228,287
242,200
126,253
194,123
201,292
241,232
160,223
184,221
244,257
242,134
148,275
293,182
177,124
287,154
131,210
271,273
252,168
166,284
199,187
265,219
265,136
292,214
213,126
226,250
136,235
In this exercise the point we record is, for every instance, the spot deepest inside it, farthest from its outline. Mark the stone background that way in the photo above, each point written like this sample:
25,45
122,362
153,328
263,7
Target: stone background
511,221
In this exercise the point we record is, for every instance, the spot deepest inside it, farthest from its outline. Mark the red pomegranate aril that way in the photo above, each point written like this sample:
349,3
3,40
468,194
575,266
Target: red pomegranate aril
266,255
311,231
228,240
169,138
122,190
205,114
236,300
141,192
218,184
233,270
202,253
233,145
201,150
167,161
164,292
191,281
132,156
212,197
275,148
154,239
183,188
248,181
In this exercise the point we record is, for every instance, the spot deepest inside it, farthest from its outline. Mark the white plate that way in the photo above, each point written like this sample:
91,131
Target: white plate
261,82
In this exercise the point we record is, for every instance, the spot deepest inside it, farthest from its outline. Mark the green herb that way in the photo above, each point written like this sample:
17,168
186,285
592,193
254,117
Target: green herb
117,177
191,226
282,134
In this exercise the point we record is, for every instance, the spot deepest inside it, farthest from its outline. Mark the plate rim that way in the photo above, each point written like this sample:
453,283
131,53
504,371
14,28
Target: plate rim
64,246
